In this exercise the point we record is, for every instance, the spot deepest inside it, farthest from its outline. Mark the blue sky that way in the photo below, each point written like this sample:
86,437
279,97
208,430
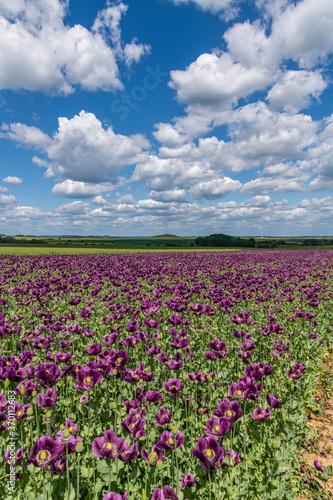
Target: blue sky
181,116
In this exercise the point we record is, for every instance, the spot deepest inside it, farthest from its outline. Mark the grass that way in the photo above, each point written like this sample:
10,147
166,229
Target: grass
40,250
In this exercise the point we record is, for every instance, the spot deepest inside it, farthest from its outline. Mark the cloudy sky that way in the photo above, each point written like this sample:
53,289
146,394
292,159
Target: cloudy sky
153,116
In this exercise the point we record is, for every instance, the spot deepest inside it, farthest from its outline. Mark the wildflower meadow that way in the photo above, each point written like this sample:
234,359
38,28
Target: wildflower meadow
160,375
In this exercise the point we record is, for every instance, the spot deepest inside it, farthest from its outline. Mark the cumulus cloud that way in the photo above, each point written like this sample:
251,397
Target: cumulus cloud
214,79
178,195
73,208
30,137
77,189
81,150
7,200
217,188
293,91
12,180
213,5
277,185
32,40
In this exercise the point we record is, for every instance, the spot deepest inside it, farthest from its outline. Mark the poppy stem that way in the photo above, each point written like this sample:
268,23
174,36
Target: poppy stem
67,470
78,476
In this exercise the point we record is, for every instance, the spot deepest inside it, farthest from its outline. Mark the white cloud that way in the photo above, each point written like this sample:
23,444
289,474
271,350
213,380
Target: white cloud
81,150
31,137
77,189
293,90
217,188
32,40
73,208
12,180
277,185
213,5
171,195
7,200
3,189
214,79
304,31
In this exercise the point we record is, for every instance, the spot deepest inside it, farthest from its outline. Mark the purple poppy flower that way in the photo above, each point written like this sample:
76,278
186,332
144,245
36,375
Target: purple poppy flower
179,343
210,355
173,386
234,457
149,396
94,349
273,401
59,466
69,425
120,359
175,319
152,351
133,403
174,365
48,399
110,339
166,494
210,454
115,496
4,421
318,466
29,388
294,374
159,455
87,378
162,357
203,411
13,460
169,441
108,445
84,399
135,426
163,417
44,452
48,374
128,452
217,428
63,357
261,415
132,326
299,366
21,411
187,481
232,411
67,441
12,374
3,403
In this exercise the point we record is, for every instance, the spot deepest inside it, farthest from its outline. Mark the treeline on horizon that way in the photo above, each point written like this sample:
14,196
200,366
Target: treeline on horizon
224,240
214,240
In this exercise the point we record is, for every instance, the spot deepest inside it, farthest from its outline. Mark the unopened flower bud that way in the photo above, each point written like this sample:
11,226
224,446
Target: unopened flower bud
79,447
159,465
152,458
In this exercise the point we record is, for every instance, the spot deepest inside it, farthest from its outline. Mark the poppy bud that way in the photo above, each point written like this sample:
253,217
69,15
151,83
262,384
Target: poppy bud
152,458
79,447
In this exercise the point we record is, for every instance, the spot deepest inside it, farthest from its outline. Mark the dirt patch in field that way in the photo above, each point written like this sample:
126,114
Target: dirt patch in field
320,446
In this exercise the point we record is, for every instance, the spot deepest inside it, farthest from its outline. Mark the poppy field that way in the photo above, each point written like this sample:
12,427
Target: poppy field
160,376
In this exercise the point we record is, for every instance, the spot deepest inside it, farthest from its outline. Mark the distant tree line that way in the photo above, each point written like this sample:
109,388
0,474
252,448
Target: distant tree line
21,241
224,240
317,241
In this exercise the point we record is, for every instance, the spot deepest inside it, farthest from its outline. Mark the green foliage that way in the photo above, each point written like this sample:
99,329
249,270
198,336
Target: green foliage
224,240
